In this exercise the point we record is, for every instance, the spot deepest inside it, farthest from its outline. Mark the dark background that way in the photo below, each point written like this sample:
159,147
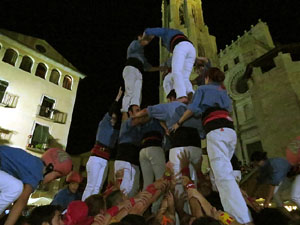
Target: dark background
94,35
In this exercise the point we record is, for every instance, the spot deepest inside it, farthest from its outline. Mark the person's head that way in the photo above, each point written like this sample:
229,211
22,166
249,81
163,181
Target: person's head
57,163
114,198
96,204
132,219
77,214
258,158
144,39
272,216
206,221
133,110
73,180
46,215
171,97
187,219
214,74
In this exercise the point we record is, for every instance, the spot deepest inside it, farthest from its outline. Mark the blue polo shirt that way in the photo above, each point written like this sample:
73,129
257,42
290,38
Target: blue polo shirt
106,134
136,50
64,197
130,134
21,165
208,96
273,171
165,34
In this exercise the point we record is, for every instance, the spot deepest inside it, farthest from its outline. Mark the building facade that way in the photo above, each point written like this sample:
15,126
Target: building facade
37,93
233,61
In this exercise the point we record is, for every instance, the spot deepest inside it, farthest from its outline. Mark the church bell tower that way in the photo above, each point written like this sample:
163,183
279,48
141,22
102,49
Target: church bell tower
187,16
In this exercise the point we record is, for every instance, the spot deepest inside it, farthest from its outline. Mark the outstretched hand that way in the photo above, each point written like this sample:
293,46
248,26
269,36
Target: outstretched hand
119,94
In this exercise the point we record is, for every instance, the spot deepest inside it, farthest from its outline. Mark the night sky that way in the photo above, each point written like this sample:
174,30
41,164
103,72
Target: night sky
94,35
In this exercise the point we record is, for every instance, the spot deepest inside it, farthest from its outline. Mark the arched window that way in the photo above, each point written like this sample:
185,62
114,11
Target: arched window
54,76
10,56
41,70
26,64
67,82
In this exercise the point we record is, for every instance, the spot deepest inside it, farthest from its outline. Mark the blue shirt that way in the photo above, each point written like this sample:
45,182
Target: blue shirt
136,50
164,33
21,165
172,112
106,134
273,171
64,197
130,134
209,96
152,125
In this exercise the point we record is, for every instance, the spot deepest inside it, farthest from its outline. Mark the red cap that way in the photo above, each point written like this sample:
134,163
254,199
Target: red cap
293,151
60,160
74,177
77,214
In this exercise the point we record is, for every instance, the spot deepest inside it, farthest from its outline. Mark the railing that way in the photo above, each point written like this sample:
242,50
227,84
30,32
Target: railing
9,100
53,114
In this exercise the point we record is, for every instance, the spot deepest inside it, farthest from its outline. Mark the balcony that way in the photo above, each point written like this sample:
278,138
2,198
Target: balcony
9,100
52,114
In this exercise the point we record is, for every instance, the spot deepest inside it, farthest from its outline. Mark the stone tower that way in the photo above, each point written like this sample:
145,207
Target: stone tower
187,16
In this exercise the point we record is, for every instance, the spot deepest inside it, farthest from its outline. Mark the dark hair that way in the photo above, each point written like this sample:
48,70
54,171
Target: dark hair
130,108
172,94
258,156
215,74
95,203
113,198
42,214
206,221
132,219
272,216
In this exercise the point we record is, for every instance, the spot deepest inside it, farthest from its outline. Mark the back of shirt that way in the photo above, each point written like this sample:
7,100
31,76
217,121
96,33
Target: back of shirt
21,165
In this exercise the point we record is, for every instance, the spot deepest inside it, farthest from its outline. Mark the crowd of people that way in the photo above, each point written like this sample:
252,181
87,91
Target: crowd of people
163,143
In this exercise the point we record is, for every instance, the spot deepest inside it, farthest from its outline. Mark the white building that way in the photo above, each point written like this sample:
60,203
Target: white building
37,92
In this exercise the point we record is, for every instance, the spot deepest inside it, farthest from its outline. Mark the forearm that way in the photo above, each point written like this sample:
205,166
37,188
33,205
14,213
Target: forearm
16,211
187,114
196,209
206,206
269,195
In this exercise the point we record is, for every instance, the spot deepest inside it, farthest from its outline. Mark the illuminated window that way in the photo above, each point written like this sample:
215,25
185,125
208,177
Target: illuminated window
3,86
67,82
225,68
10,56
40,137
26,64
54,77
236,60
46,109
41,70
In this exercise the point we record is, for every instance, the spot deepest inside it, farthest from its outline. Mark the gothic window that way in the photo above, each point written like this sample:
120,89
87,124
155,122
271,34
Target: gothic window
194,15
225,68
54,76
236,60
41,70
181,14
26,64
201,51
67,82
10,56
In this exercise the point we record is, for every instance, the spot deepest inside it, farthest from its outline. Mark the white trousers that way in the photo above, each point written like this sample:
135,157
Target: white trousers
10,189
221,145
153,164
168,83
96,168
195,156
131,179
288,189
133,80
183,60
